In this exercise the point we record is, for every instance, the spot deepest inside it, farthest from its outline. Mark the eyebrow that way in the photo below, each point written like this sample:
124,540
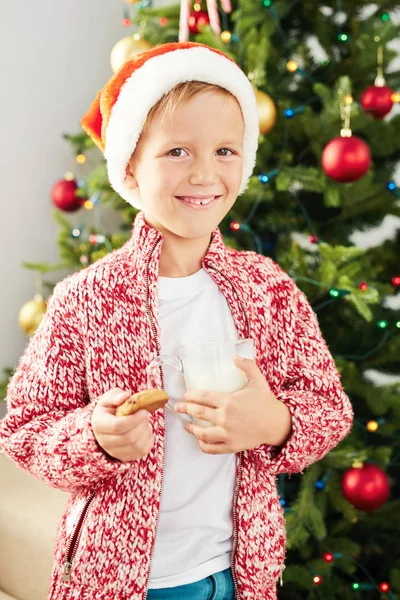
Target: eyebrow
185,142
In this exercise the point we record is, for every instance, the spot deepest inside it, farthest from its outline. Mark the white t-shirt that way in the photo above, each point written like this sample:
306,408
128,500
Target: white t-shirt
194,536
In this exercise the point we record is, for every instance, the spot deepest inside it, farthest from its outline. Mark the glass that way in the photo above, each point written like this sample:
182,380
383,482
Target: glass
206,366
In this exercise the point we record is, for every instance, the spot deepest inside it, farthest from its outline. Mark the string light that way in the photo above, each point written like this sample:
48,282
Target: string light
314,239
317,580
382,324
335,293
88,204
328,557
396,97
76,232
96,238
126,22
69,176
289,113
80,158
163,21
372,426
266,177
226,36
384,587
363,286
343,37
292,66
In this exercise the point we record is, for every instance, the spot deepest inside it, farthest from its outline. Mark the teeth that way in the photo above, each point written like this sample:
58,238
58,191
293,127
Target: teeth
202,202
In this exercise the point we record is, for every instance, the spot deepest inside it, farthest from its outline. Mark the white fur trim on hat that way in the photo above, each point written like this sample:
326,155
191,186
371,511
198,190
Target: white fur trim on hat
156,77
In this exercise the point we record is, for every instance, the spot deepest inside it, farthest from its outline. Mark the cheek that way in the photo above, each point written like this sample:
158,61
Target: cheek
232,175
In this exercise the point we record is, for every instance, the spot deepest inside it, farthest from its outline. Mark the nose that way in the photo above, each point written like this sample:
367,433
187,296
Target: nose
203,171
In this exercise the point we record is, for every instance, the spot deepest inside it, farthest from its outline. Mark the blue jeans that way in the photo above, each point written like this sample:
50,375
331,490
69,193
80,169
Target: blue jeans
218,586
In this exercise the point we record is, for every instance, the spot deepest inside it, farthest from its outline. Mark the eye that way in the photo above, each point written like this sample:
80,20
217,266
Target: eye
225,150
176,150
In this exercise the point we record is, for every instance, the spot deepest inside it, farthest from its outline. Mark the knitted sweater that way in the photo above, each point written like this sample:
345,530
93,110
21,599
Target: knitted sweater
100,331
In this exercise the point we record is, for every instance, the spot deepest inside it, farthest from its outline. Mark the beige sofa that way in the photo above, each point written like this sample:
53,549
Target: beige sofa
29,515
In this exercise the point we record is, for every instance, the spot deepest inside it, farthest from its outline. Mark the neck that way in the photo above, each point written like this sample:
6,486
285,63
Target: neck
181,257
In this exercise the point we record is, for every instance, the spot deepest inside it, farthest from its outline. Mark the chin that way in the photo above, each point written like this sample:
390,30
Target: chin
192,231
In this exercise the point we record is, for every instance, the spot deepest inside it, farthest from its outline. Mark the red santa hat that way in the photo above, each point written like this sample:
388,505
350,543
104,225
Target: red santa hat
117,116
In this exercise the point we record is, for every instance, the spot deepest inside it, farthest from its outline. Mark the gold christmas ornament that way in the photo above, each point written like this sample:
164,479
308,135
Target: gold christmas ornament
125,49
266,111
31,314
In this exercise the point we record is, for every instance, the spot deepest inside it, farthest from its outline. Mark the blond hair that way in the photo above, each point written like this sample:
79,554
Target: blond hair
180,94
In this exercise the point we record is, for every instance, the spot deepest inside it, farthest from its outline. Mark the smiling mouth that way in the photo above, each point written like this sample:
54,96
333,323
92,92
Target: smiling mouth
198,200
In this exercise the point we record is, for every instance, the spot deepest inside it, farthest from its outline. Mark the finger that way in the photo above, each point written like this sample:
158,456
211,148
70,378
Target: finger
109,423
213,448
210,435
206,397
114,398
197,410
249,368
137,437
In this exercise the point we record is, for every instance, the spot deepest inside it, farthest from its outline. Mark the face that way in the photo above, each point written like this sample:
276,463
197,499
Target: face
192,156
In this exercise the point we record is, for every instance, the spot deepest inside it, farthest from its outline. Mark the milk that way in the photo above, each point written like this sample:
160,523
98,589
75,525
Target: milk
220,376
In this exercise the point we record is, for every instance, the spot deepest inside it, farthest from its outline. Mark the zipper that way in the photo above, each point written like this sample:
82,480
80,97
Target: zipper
158,348
73,543
239,477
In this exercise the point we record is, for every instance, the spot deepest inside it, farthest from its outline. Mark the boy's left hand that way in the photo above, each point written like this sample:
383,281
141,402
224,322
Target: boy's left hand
241,420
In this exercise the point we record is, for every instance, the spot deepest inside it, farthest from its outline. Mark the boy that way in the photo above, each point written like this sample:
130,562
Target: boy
194,514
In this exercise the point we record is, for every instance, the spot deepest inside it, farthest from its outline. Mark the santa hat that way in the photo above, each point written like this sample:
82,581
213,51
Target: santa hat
117,116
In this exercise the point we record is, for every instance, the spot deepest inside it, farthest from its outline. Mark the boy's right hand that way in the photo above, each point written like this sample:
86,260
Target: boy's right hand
125,438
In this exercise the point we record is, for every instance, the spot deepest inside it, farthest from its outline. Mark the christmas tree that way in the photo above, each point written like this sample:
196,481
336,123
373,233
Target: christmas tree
326,170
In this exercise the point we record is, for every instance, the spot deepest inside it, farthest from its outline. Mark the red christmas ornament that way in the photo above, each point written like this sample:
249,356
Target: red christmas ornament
366,488
396,280
377,100
346,159
63,195
198,18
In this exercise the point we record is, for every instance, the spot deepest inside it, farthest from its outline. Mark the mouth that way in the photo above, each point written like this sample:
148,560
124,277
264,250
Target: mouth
198,202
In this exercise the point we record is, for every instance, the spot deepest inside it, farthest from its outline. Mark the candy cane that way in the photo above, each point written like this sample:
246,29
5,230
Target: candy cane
184,21
214,16
226,6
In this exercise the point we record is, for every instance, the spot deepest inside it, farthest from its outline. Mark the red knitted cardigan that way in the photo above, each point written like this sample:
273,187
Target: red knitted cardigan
100,331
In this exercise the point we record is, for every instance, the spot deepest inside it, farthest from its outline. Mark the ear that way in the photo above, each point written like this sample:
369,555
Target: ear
130,179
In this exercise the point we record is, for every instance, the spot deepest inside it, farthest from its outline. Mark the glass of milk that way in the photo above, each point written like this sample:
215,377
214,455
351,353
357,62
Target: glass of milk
207,366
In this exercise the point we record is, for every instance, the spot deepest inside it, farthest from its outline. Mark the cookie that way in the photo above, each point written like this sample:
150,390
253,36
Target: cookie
150,400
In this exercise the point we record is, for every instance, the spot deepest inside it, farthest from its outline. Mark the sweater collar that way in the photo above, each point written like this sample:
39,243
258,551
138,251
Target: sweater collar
145,243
